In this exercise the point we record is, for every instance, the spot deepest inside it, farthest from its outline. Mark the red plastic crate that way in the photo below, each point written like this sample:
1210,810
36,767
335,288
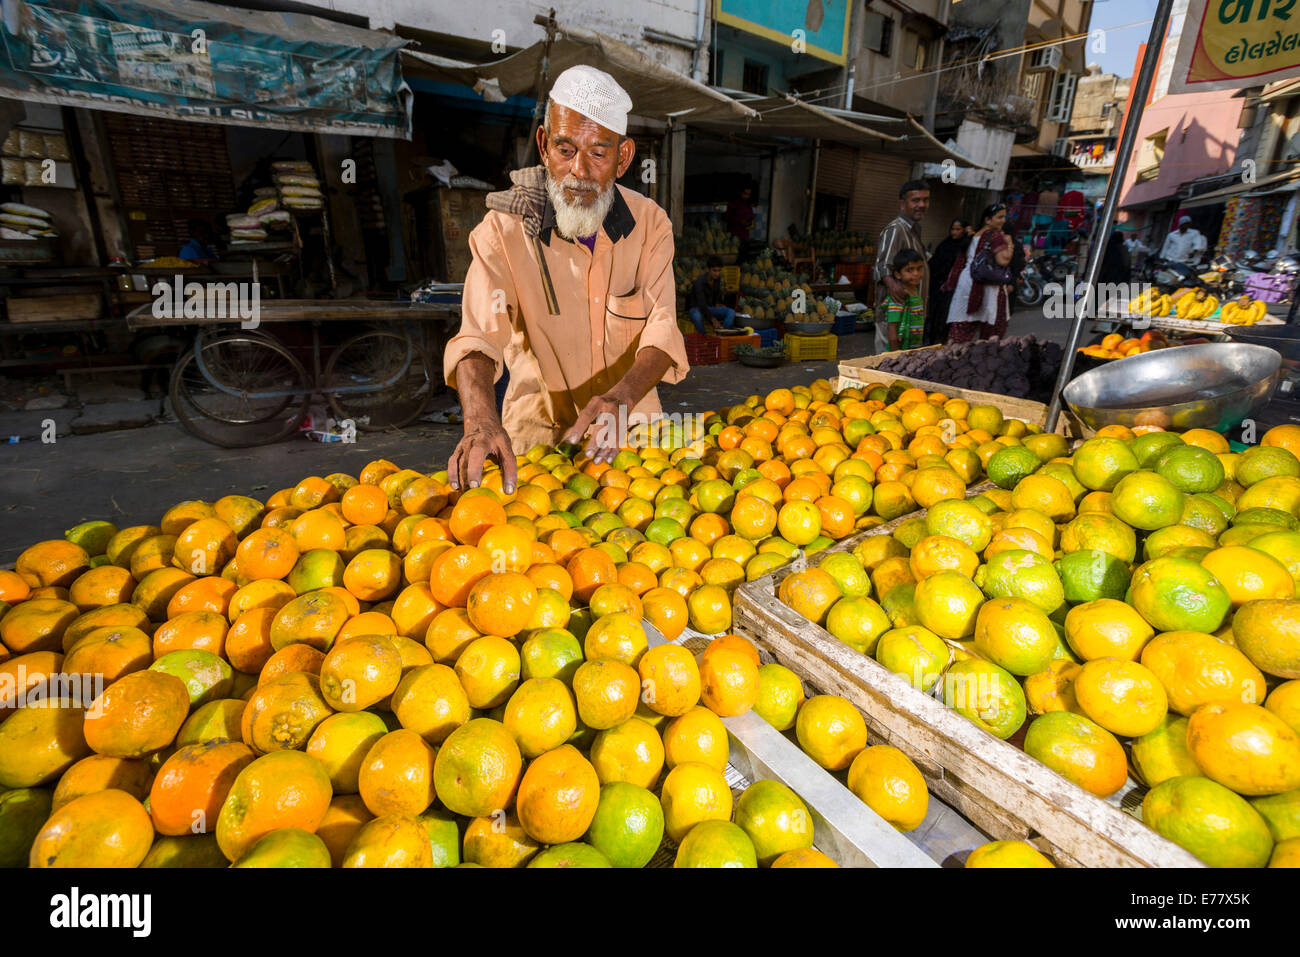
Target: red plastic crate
703,350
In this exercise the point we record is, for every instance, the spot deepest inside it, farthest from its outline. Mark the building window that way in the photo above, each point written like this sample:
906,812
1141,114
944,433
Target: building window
1061,103
754,78
877,32
914,49
1150,154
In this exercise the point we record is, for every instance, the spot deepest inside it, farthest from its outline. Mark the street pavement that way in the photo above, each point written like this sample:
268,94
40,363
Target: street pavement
131,475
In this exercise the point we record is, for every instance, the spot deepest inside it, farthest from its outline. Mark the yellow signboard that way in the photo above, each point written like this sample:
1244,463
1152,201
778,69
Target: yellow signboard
1227,44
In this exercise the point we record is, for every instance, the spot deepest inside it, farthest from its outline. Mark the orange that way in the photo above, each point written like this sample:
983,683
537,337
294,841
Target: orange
364,505
477,769
837,516
1245,747
488,668
606,692
345,817
1079,750
152,554
1106,628
289,660
137,714
810,593
56,562
211,594
341,742
804,857
541,715
396,776
683,581
393,840
753,518
105,829
268,553
318,529
359,672
283,712
99,773
698,735
248,642
110,615
110,652
279,790
38,744
13,588
637,578
424,496
728,678
498,841
508,547
939,553
413,610
373,575
631,752
449,634
501,603
709,609
618,636
455,572
204,547
666,610
936,484
557,796
553,576
590,568
670,680
1249,574
193,783
313,619
473,515
887,781
693,793
831,731
1121,695
1197,669
367,623
1007,854
37,624
106,585
313,492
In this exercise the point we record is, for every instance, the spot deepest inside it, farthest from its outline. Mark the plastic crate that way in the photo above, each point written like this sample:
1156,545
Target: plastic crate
727,345
844,325
766,337
702,350
811,348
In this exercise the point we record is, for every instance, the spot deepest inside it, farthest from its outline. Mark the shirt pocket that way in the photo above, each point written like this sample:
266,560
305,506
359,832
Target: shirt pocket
625,317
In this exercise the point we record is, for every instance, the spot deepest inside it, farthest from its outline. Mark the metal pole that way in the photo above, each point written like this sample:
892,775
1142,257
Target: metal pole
543,69
1123,154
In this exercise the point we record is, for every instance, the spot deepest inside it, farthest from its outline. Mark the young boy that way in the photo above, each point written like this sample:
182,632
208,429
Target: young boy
903,324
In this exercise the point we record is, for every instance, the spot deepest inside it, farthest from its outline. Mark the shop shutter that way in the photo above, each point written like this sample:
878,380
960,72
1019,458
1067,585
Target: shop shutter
874,200
835,168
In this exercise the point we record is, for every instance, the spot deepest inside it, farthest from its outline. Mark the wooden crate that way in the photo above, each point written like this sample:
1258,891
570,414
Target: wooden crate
65,307
861,371
992,782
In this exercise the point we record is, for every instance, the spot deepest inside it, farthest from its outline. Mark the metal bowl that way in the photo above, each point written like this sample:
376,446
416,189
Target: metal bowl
1213,386
808,328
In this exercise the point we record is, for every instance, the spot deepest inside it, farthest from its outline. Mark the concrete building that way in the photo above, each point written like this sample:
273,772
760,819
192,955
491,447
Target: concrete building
1094,129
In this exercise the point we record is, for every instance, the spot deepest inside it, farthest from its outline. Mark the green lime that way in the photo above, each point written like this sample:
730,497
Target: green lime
570,855
1020,573
1175,594
664,531
1207,512
628,826
1266,516
1149,447
444,835
911,531
1191,469
1091,573
780,692
92,536
1008,466
959,519
1100,463
1147,500
986,694
848,573
716,844
774,818
899,604
23,812
916,653
1265,461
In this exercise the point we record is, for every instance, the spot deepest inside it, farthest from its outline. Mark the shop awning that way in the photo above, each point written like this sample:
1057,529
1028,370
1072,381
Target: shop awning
656,91
787,116
1286,181
190,60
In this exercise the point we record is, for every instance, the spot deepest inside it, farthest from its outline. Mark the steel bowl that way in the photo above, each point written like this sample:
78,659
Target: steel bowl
1213,386
808,328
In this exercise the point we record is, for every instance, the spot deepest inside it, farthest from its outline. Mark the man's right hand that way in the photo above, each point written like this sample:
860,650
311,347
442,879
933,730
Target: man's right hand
465,467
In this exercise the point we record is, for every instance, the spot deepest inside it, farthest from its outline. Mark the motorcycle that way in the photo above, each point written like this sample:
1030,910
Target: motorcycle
1169,276
1225,279
1029,288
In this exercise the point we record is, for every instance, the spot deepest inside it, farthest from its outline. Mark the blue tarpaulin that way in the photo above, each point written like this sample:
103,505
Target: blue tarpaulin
186,59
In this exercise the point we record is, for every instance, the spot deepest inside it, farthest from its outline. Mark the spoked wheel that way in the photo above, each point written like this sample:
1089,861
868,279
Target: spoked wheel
379,380
239,390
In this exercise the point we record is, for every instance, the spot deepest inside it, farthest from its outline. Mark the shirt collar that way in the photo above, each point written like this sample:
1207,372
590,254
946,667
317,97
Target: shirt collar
619,221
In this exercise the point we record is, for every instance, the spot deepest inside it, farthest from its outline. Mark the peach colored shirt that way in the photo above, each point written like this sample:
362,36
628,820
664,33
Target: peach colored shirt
613,301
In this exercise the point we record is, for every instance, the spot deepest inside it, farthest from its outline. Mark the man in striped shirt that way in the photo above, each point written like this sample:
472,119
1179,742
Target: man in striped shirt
901,233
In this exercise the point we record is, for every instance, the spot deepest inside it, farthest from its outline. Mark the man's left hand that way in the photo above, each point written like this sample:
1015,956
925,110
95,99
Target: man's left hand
605,440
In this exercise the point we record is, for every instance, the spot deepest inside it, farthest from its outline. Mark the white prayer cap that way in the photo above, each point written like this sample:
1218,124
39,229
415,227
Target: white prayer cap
595,94
1184,220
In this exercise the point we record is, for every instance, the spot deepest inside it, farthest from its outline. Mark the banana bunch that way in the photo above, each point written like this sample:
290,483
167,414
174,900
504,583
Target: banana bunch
1189,307
1151,302
1243,312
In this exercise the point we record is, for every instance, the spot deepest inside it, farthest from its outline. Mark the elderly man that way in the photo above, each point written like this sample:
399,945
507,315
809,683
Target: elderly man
1185,244
903,232
570,289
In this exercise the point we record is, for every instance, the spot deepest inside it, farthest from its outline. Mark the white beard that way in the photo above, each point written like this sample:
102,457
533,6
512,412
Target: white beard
574,219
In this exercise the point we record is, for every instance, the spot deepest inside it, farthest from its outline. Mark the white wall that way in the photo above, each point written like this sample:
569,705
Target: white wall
789,203
621,19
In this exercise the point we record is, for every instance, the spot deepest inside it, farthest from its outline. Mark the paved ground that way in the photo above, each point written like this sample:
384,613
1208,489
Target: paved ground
131,475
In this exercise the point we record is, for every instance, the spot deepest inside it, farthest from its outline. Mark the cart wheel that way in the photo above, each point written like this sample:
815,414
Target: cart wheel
247,365
379,380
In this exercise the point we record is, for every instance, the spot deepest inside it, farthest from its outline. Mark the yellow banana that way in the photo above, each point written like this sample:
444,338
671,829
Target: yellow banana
1257,310
1165,306
1186,305
1229,312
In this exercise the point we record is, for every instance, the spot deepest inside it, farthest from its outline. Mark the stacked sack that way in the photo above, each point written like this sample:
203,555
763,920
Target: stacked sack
263,217
20,221
298,187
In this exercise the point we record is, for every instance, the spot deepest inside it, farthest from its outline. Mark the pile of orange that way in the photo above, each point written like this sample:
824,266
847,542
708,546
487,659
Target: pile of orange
1133,599
378,671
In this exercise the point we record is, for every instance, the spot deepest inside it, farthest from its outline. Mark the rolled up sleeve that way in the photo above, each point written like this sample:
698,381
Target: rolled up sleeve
489,304
661,330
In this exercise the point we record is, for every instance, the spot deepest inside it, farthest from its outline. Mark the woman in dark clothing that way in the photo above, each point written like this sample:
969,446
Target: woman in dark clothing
1114,260
941,262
